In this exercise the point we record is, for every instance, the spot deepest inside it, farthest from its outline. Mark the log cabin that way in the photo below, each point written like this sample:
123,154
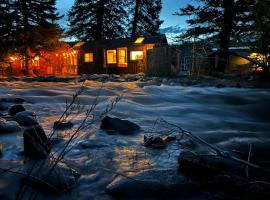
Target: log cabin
117,56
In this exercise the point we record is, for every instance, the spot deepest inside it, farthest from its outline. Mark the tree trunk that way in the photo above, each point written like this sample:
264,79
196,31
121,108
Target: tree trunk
135,18
100,21
225,34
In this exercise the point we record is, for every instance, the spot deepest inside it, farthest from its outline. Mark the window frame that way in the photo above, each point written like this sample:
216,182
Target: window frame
88,60
140,59
126,57
114,57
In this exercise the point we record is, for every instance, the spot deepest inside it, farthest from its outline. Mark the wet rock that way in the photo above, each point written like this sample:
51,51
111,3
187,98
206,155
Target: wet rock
60,179
12,100
151,183
62,125
35,142
88,144
9,126
118,125
238,85
158,142
220,86
208,166
154,142
13,110
26,118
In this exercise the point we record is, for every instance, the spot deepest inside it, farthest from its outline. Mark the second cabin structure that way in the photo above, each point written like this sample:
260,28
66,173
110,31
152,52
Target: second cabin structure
118,56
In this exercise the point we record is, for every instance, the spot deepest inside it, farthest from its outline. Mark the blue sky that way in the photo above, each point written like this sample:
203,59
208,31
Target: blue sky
169,7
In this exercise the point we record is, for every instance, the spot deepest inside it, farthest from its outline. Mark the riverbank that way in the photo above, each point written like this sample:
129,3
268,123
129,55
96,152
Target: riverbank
217,80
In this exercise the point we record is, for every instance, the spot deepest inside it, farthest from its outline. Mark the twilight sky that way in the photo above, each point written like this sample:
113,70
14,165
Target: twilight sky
169,7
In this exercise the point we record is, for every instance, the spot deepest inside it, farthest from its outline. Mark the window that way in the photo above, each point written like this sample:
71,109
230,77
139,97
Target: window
111,56
35,61
122,57
88,57
139,40
136,55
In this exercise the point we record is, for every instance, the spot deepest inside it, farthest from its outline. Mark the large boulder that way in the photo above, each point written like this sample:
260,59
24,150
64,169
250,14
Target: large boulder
13,110
26,118
62,125
151,183
118,125
50,177
9,126
36,143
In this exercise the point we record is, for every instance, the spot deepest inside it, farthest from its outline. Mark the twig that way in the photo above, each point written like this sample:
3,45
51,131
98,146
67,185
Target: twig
249,156
216,149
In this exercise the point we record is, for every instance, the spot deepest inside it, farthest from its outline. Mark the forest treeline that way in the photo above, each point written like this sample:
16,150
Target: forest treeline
30,26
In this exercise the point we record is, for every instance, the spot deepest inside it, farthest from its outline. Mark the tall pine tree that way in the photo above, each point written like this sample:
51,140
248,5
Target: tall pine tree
7,28
37,29
98,19
219,21
262,29
145,17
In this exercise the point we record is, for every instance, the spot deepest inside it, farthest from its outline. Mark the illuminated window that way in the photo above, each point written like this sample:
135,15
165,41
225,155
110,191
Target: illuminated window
88,57
35,61
122,57
139,40
111,56
136,55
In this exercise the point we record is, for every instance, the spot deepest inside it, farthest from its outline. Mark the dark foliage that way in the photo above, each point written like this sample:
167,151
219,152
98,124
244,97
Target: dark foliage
145,18
101,19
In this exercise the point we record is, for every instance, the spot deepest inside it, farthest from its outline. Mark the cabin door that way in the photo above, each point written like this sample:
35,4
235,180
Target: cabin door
122,57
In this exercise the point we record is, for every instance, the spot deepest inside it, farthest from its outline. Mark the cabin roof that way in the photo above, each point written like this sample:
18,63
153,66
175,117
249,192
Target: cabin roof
125,42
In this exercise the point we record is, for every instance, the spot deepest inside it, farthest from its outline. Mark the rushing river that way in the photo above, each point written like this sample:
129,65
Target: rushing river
228,117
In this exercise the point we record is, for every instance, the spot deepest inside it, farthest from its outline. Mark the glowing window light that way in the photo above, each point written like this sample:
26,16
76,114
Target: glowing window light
139,40
111,56
136,55
122,56
88,57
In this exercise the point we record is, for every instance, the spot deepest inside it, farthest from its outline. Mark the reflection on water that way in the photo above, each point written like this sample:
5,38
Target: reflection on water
131,160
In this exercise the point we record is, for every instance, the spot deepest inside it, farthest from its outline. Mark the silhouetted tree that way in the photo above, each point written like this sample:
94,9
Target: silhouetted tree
36,27
7,28
145,18
98,19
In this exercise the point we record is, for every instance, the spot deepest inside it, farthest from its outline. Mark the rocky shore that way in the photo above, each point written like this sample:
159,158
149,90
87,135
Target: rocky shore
215,80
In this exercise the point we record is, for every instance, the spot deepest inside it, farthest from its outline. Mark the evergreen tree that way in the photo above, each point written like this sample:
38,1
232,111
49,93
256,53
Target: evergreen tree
36,27
213,20
262,29
98,19
7,29
146,17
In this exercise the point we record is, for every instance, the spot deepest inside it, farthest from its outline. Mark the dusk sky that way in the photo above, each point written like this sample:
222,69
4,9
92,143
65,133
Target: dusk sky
169,7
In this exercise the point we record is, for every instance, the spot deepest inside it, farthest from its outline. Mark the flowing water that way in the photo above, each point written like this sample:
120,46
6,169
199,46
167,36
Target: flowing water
232,118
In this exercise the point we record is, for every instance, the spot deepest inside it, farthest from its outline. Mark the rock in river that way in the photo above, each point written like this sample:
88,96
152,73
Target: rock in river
118,125
62,125
26,118
57,180
35,142
9,126
13,110
152,183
